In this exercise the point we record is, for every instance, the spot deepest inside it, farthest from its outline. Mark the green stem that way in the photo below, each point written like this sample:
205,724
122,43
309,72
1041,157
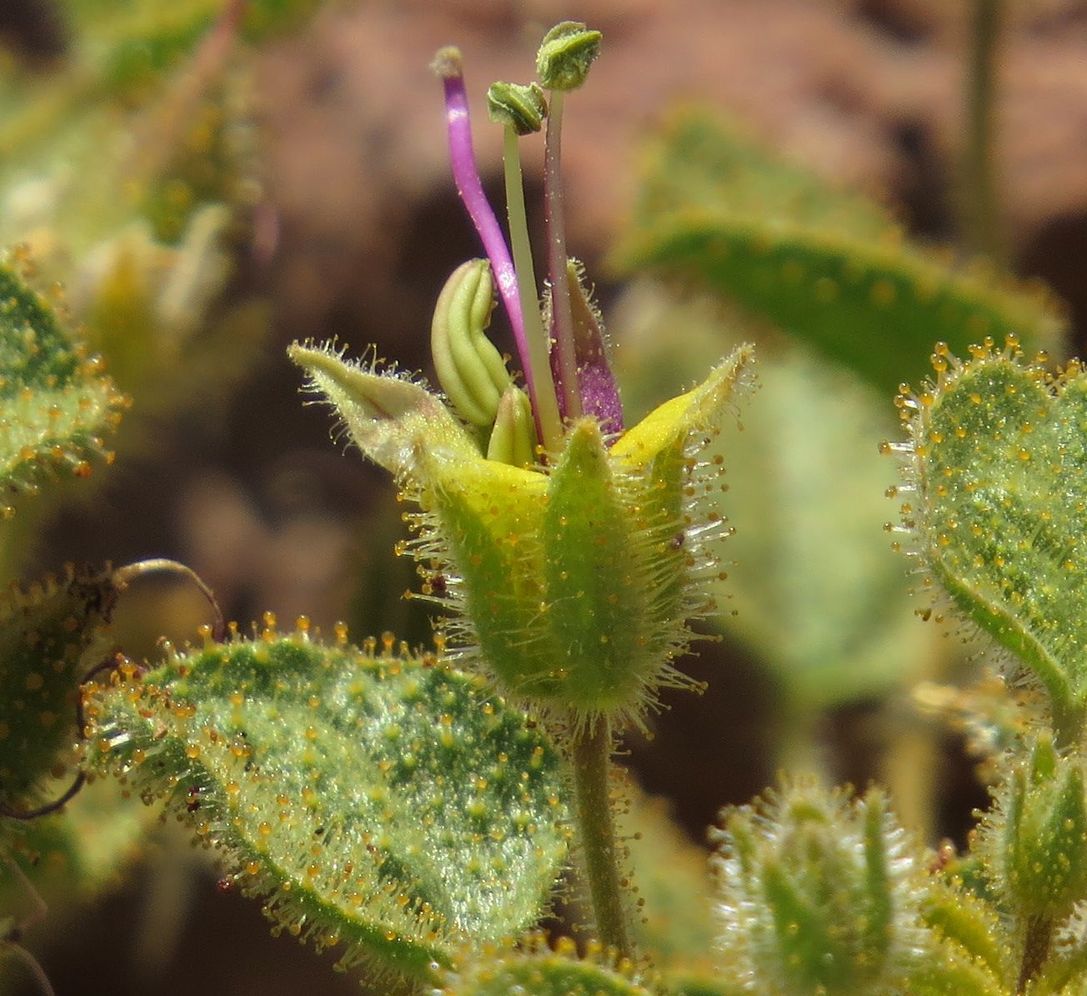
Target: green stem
540,384
979,195
562,319
591,757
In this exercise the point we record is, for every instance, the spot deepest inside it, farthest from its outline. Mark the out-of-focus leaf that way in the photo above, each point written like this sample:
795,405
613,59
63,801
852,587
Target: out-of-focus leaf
831,268
55,401
45,631
812,588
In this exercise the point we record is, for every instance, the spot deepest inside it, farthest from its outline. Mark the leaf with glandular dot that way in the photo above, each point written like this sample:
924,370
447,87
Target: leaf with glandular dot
55,401
830,267
995,500
46,630
382,802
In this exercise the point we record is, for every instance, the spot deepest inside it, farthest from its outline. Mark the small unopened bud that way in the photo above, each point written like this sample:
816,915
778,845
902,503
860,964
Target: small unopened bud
565,55
1034,836
470,369
513,439
521,106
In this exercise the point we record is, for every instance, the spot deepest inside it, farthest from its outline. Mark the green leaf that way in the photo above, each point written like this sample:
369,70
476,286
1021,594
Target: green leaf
45,633
829,267
805,487
55,402
995,493
382,802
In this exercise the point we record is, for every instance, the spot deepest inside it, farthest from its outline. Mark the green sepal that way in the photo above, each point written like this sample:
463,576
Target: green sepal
55,401
486,527
996,486
969,924
538,970
832,268
1033,837
47,631
595,584
382,803
394,421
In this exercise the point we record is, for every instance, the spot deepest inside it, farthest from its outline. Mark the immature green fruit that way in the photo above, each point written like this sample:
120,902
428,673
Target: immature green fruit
1036,835
574,582
381,802
995,498
819,893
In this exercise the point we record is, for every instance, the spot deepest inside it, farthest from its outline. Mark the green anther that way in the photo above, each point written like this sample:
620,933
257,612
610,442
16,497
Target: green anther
513,439
565,55
470,369
522,107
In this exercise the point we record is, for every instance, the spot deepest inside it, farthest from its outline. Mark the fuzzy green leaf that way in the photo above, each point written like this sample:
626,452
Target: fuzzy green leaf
995,497
829,267
45,632
381,802
55,403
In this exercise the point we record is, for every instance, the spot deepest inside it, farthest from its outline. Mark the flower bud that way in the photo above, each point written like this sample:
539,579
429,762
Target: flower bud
565,55
1036,834
470,369
818,894
521,107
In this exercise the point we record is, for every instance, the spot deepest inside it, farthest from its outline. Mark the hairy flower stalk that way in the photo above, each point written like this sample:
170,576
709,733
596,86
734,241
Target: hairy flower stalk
569,582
